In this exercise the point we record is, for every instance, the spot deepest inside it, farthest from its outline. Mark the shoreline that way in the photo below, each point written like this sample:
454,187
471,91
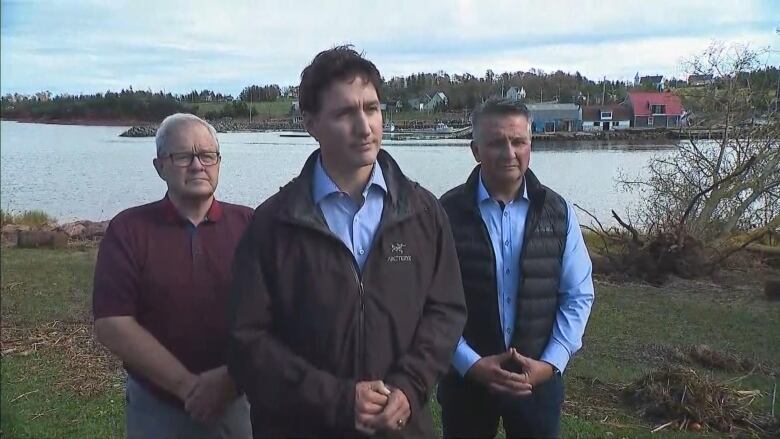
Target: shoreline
147,129
82,122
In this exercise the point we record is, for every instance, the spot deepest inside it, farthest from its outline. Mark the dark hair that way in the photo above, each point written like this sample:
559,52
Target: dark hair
499,107
336,64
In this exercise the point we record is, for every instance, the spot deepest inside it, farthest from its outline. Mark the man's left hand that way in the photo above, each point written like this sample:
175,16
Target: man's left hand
212,393
538,371
396,413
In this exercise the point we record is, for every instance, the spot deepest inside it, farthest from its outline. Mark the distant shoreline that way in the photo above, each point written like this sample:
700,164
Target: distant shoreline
84,122
146,129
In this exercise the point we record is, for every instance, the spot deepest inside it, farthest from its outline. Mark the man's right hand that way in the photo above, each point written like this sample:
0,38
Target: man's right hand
489,371
370,400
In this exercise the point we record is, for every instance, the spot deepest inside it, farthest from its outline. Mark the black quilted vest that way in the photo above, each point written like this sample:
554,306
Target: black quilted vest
540,264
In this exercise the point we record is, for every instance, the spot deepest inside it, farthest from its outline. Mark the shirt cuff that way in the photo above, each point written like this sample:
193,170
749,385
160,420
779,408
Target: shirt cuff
556,354
464,357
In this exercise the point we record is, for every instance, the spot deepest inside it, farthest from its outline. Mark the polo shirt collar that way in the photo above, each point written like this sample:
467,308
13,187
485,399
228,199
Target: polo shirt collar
172,215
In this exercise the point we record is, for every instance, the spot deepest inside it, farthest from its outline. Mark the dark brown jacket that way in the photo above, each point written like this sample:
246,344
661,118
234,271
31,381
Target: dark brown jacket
306,325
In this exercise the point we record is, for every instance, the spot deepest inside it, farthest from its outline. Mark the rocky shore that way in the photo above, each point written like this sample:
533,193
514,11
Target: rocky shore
53,235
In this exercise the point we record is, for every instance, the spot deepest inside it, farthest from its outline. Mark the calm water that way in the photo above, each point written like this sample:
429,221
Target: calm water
81,172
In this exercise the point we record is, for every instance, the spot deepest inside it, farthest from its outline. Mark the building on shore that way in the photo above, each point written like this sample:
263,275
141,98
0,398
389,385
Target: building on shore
554,117
606,117
655,109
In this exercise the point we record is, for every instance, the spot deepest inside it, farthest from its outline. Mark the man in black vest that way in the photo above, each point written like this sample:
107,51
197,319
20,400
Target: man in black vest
527,279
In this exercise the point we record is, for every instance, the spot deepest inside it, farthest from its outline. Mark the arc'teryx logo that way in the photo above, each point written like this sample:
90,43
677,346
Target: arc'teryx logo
397,253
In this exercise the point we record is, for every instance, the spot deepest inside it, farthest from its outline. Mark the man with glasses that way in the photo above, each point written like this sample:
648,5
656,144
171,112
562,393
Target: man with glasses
160,294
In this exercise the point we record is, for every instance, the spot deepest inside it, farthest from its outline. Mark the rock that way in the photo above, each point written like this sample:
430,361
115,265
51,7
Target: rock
95,230
140,131
42,238
73,230
772,289
11,233
89,230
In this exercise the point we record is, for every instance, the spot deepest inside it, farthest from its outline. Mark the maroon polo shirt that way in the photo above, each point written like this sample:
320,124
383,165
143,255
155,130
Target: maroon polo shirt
173,277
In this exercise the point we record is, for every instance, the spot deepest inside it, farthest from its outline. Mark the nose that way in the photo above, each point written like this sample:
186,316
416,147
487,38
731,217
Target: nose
362,125
195,164
507,152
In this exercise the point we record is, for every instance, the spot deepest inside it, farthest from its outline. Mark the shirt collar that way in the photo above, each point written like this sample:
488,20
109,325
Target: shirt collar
483,194
172,215
323,185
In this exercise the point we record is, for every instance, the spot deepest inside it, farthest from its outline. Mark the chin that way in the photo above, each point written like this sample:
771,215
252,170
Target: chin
366,158
198,194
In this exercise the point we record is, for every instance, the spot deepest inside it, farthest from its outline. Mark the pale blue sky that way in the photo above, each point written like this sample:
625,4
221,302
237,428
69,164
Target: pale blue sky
88,46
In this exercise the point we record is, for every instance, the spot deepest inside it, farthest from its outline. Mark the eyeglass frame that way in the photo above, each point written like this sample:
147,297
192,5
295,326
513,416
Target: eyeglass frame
192,157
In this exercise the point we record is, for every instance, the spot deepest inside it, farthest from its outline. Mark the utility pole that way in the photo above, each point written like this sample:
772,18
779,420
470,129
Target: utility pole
604,90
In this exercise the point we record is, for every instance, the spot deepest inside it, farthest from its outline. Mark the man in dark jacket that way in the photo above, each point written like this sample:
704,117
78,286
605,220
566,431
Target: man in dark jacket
347,299
527,279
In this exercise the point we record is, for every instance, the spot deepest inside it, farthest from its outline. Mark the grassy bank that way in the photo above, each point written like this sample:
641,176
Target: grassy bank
57,383
30,218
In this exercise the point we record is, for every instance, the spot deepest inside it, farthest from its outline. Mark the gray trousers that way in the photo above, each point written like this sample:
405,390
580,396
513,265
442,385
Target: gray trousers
148,417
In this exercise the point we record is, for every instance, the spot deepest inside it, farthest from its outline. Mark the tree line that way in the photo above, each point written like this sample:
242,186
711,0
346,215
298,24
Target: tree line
463,91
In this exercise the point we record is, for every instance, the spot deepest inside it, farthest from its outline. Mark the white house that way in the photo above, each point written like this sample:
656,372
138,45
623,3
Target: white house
606,117
438,100
514,94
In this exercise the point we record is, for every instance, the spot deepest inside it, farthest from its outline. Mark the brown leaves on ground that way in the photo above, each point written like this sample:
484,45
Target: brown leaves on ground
88,368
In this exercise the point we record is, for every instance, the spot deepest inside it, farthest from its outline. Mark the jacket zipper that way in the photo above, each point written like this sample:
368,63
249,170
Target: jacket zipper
361,323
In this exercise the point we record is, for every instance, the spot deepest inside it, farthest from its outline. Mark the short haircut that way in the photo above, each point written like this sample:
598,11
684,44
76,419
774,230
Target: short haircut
172,122
499,107
337,64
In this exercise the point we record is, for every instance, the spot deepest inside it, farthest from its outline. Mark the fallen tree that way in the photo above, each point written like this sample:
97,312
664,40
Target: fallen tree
710,198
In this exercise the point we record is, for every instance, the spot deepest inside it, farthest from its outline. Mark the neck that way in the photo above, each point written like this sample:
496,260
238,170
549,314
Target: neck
194,209
351,180
503,191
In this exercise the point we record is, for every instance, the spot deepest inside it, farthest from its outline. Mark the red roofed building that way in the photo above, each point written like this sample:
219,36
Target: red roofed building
655,109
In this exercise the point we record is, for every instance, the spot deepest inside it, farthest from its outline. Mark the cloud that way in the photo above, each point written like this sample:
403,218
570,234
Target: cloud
177,45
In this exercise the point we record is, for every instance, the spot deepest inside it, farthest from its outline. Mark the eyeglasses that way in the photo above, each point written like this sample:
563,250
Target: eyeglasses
184,159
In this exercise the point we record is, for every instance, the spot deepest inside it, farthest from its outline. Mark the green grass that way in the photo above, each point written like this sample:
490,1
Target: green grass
34,406
260,110
31,218
40,286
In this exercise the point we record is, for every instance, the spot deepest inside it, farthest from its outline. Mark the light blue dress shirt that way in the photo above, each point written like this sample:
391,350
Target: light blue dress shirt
506,228
354,225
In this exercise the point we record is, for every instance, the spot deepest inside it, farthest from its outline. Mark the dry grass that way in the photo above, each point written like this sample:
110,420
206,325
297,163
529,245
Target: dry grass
705,356
92,368
31,218
680,398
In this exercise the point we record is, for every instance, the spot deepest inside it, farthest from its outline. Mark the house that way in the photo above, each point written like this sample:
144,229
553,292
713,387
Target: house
437,101
515,94
652,109
554,117
606,117
656,81
699,80
416,104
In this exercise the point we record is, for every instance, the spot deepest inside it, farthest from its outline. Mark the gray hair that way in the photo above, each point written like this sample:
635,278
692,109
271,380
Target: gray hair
499,107
174,121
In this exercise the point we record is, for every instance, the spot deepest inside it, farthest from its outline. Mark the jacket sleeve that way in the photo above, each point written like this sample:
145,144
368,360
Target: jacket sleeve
440,325
275,379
